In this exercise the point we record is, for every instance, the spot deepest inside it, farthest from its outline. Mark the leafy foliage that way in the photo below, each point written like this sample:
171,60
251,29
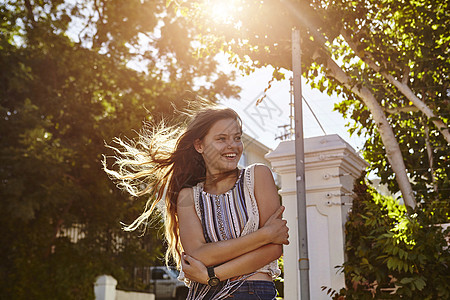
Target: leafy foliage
279,281
391,255
65,89
406,40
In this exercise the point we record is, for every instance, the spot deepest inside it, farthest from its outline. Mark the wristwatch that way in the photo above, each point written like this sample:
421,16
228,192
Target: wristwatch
213,280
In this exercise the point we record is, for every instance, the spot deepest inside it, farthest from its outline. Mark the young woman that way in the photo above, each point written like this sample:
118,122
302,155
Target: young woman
223,225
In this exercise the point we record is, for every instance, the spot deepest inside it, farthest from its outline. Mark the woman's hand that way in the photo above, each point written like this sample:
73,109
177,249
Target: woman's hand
194,269
276,228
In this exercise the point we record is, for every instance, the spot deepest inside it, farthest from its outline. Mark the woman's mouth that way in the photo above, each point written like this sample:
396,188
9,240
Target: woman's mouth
229,155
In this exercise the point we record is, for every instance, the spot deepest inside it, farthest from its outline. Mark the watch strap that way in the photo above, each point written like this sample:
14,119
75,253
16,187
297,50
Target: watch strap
213,280
211,272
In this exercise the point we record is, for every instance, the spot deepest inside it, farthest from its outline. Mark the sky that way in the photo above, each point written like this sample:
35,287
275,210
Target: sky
262,122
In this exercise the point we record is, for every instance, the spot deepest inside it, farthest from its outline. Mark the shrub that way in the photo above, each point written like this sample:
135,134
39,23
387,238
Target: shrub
393,254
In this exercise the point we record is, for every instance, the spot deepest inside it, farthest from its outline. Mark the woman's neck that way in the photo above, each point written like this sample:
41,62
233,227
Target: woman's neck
220,183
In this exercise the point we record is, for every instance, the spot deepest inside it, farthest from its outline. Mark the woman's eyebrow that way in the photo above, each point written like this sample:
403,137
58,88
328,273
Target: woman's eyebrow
225,134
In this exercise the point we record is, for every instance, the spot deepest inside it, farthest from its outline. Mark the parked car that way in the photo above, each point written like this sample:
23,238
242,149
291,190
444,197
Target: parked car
162,281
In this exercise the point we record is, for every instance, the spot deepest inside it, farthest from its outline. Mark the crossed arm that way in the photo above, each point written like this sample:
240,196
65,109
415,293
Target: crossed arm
238,256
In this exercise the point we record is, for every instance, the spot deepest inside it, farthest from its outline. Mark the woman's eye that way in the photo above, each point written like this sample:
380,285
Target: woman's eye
238,138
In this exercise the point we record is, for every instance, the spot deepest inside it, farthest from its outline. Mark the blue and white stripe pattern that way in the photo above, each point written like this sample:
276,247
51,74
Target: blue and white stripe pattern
224,216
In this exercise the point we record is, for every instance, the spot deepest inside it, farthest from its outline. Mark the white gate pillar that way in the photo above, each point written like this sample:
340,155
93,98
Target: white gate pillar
331,166
105,288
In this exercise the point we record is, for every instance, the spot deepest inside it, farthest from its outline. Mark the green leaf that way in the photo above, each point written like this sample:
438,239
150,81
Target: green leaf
419,283
407,280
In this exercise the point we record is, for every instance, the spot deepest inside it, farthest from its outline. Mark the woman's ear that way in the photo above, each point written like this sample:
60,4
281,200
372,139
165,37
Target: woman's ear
198,146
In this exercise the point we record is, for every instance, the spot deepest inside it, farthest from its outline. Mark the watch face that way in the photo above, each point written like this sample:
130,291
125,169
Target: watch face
213,281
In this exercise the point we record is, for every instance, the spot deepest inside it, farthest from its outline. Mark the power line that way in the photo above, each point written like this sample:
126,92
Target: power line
318,122
289,133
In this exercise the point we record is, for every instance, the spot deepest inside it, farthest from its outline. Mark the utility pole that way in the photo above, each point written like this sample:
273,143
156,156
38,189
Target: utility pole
303,262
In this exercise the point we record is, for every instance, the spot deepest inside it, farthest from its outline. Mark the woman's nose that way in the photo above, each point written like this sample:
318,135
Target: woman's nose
231,143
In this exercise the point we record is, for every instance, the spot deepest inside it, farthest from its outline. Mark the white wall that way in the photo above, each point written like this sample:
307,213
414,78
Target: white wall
122,295
331,166
105,289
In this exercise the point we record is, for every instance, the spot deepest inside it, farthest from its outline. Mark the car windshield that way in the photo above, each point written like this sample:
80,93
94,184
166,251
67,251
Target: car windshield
173,272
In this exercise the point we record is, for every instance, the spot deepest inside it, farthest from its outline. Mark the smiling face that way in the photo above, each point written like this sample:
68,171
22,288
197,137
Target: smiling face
222,147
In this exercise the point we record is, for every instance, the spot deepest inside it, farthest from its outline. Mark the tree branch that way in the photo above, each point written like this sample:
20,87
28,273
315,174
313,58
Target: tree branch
30,15
393,152
95,38
405,109
402,87
430,156
306,16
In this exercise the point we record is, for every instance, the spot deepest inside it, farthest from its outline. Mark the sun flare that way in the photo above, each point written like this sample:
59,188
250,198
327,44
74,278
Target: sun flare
223,12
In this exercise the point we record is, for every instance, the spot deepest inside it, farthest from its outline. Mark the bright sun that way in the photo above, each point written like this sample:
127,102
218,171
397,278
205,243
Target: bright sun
223,11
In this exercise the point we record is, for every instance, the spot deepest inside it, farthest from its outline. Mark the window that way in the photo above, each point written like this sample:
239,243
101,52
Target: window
158,274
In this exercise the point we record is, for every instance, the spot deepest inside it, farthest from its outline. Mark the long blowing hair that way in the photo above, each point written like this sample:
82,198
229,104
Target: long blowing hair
159,164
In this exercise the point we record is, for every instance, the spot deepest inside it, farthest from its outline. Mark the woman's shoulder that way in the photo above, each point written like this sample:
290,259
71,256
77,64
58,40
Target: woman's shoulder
187,189
257,174
185,195
259,170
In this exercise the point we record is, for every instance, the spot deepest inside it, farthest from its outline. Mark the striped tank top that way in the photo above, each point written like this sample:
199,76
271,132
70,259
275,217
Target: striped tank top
228,216
223,216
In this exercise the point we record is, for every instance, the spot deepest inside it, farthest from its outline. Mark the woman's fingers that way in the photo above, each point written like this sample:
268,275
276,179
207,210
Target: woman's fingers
277,227
284,235
194,269
186,257
276,215
278,212
279,231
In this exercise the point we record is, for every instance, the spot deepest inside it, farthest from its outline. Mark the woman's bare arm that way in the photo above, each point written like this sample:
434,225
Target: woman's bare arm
192,239
272,230
245,264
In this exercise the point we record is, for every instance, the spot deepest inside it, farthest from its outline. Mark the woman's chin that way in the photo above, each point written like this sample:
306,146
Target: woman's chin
230,165
225,168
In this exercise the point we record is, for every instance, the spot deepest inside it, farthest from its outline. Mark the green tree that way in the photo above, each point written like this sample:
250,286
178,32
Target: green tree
391,255
388,60
65,88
